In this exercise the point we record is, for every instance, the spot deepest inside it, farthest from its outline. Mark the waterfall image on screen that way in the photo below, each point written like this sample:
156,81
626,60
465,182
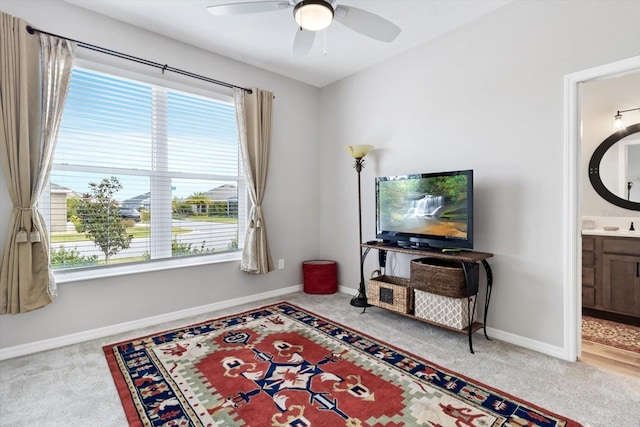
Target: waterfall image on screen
427,206
431,206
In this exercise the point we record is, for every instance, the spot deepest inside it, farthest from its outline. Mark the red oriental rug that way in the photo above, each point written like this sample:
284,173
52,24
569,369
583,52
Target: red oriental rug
280,366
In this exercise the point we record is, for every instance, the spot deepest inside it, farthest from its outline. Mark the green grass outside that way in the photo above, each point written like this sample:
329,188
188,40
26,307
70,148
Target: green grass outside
123,260
220,219
142,230
137,232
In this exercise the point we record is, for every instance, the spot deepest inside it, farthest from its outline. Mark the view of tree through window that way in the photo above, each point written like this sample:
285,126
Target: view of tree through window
142,172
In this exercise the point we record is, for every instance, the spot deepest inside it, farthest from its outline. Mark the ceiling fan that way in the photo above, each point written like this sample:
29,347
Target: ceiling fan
315,15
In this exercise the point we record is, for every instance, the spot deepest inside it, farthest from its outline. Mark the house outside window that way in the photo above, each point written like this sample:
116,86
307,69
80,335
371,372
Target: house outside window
143,173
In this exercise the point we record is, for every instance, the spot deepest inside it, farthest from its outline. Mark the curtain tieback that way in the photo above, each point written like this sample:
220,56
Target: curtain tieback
22,236
255,224
256,217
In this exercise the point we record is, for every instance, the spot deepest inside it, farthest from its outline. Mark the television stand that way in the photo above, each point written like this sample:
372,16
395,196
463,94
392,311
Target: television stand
463,256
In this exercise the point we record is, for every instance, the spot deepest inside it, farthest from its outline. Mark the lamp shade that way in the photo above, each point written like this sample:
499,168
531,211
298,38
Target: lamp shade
358,151
313,15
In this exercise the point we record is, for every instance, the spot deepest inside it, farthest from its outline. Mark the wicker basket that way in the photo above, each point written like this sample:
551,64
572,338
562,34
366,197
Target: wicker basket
443,277
392,293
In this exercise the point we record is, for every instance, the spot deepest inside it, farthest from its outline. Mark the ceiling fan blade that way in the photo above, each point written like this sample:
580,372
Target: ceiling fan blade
247,7
303,42
367,23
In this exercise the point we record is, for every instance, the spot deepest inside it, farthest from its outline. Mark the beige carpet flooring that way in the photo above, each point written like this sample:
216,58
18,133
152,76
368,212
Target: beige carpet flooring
72,386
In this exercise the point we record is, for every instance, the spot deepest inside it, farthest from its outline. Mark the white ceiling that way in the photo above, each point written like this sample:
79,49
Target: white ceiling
265,39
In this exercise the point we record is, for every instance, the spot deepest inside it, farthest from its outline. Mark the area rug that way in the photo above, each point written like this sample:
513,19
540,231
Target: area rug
281,365
612,334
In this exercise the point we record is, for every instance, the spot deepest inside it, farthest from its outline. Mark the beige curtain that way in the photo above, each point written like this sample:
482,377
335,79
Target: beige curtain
254,126
34,78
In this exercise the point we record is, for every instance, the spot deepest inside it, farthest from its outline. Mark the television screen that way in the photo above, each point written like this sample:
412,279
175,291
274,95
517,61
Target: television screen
426,210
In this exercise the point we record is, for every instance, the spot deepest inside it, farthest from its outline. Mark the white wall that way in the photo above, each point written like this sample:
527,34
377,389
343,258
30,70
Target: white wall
488,96
291,205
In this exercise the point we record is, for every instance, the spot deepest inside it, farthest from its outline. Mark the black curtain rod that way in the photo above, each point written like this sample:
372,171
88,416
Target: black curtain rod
163,67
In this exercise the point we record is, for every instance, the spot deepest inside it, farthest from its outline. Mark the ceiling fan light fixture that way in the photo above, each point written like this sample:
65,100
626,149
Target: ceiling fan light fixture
313,15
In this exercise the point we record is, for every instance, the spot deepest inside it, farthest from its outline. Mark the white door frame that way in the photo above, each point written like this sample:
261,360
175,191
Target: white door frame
572,264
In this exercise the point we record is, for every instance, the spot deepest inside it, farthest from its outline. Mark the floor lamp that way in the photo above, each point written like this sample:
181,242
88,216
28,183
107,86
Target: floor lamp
358,152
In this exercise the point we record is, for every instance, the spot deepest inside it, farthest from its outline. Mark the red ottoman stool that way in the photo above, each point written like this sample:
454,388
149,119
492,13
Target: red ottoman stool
320,276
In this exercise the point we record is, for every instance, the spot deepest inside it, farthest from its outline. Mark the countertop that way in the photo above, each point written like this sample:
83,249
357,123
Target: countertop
618,233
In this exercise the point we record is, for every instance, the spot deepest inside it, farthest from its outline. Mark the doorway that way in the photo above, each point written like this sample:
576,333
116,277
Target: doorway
573,184
610,341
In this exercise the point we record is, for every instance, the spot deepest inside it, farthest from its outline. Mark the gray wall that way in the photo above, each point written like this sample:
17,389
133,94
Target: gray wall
489,97
291,206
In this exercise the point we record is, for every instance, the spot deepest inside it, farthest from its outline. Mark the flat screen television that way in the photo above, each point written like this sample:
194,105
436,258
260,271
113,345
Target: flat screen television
429,210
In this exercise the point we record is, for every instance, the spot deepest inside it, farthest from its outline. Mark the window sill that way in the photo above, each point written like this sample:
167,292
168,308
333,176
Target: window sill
70,276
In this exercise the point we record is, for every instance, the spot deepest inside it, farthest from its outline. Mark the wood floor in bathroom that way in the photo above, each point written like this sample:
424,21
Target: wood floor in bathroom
611,359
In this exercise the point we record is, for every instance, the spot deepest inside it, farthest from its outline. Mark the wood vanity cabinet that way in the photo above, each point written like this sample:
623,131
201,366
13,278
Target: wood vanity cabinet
588,272
611,274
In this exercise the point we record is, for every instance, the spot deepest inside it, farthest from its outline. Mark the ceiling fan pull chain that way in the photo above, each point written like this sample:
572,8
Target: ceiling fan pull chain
325,42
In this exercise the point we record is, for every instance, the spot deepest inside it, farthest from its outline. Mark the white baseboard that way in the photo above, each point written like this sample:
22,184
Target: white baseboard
558,352
498,334
49,344
347,290
527,343
52,343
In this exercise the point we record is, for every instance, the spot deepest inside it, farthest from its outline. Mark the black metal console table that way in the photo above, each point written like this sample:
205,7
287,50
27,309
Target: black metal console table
464,257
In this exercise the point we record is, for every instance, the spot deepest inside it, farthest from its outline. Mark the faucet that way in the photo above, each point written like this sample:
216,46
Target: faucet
631,228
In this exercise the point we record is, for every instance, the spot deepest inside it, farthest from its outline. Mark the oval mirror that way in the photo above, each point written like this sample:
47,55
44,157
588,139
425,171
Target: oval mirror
615,164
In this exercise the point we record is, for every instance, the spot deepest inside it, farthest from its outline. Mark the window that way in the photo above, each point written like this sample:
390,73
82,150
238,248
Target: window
142,173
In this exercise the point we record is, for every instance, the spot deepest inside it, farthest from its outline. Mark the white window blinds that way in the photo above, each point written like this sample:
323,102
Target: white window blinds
142,172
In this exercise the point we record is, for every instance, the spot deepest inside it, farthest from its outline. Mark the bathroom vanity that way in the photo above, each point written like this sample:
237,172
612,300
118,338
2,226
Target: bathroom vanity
611,241
611,272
